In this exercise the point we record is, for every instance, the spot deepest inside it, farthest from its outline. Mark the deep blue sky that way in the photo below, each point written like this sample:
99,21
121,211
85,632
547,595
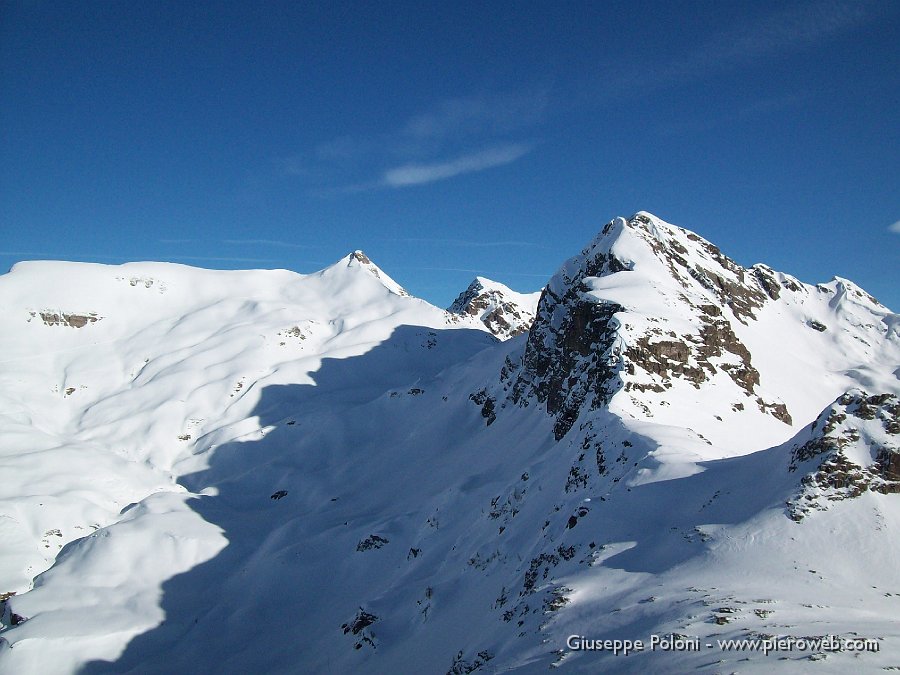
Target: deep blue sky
450,139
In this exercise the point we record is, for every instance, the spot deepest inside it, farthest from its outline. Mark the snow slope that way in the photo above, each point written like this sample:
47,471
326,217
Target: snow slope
263,471
101,421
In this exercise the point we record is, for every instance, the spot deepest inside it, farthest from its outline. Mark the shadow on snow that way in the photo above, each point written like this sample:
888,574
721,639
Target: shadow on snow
241,608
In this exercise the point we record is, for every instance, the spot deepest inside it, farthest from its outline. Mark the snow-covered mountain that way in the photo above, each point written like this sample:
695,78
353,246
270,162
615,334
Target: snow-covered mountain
265,471
505,312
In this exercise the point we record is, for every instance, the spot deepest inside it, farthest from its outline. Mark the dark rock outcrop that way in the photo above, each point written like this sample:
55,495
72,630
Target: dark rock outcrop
70,319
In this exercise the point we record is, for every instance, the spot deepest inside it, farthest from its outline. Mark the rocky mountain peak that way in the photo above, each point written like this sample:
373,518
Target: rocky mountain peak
503,311
649,308
462,301
677,258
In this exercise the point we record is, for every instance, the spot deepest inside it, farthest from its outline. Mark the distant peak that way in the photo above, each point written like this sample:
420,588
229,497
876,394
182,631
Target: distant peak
478,287
359,260
503,311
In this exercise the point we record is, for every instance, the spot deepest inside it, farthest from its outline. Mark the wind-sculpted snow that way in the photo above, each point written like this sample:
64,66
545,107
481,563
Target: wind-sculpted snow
262,471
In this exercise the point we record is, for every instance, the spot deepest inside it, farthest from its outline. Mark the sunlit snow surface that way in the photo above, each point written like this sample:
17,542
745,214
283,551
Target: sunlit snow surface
224,471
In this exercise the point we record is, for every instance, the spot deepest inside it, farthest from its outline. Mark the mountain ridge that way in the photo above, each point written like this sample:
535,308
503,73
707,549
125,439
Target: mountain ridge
265,470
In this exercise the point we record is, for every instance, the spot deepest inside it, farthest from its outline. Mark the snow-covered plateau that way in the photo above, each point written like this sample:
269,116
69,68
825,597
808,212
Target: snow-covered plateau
262,471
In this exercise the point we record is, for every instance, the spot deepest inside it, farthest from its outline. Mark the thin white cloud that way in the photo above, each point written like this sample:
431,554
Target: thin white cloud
450,116
415,151
494,114
418,174
775,34
895,228
789,28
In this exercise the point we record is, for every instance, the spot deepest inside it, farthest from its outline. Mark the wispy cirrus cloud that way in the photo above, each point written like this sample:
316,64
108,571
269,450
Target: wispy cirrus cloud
784,30
454,137
895,228
769,36
492,115
419,174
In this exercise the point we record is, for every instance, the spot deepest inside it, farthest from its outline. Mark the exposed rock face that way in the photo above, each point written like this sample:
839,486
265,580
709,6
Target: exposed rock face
854,447
573,354
504,312
572,361
70,319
